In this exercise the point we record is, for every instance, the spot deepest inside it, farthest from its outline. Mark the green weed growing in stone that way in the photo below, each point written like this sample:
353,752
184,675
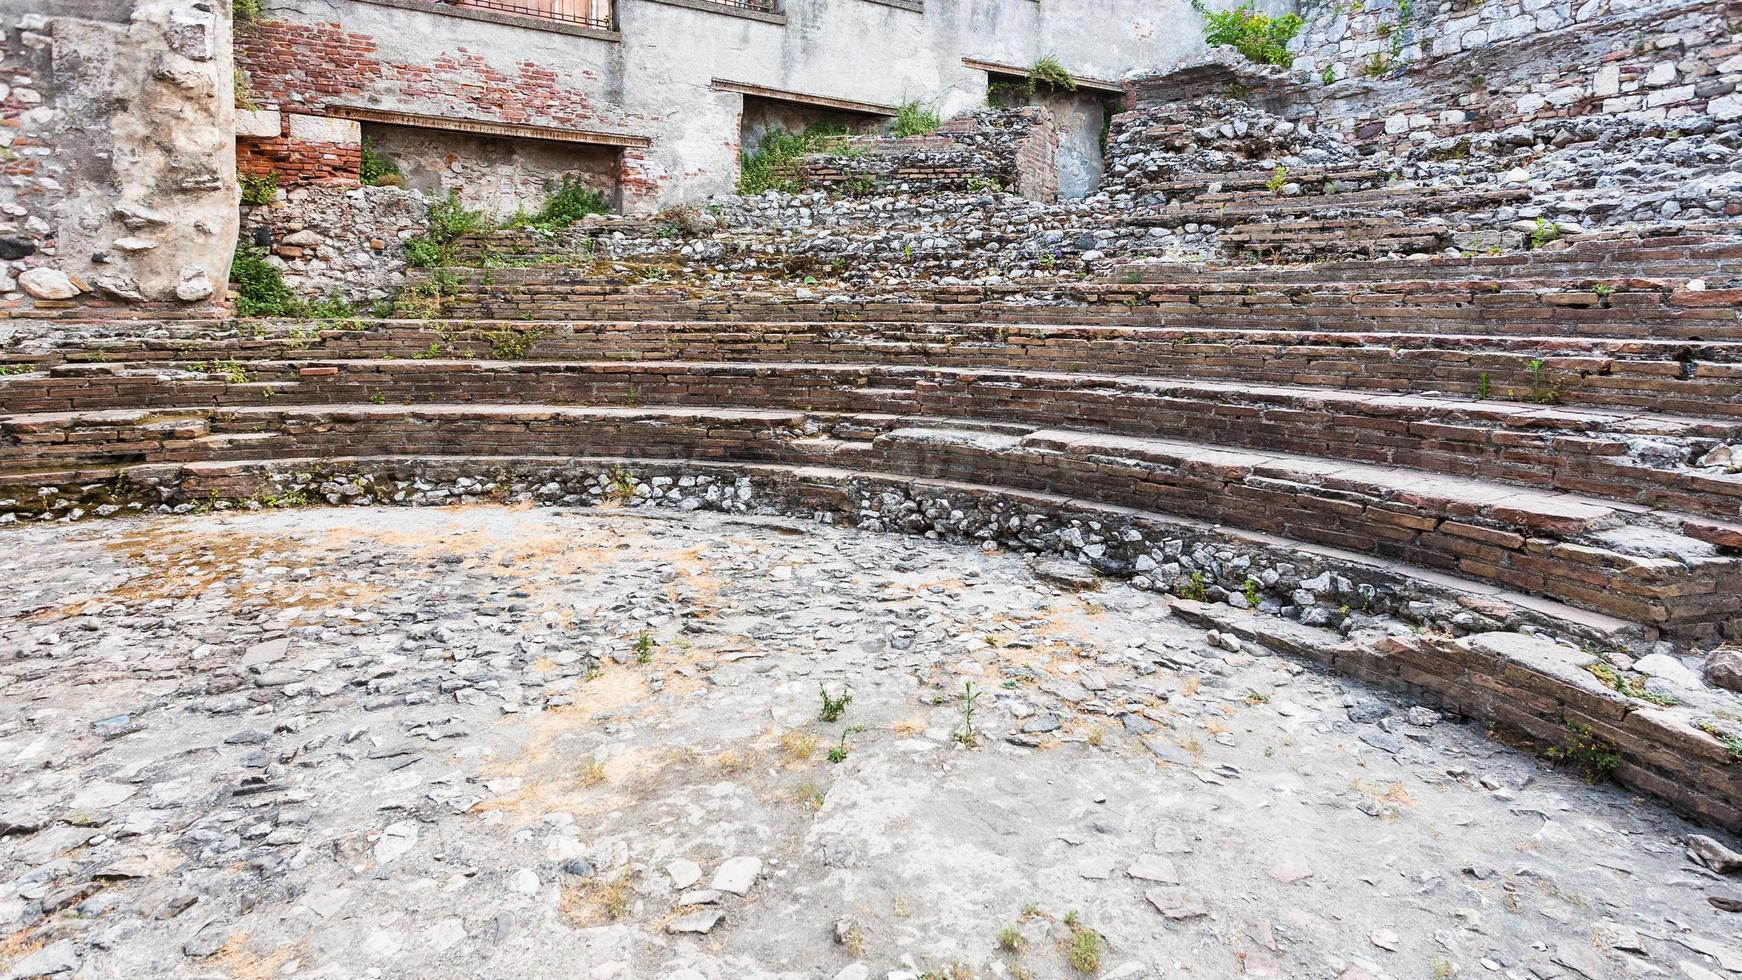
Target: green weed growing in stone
1010,940
644,648
508,344
1083,946
1277,180
914,119
1628,687
1596,757
1196,588
1543,232
834,707
570,200
449,221
378,169
1048,70
773,167
257,189
967,701
838,754
1542,389
1249,589
1484,386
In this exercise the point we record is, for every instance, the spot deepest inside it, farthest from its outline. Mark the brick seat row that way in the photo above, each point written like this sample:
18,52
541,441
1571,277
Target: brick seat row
1678,574
1614,309
1584,451
1660,377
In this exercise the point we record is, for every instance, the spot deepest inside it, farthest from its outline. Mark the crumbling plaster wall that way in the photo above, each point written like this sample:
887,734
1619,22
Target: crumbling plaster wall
655,79
118,184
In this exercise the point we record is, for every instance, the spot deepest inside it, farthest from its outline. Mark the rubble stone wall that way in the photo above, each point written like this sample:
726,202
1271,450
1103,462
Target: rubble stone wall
338,240
119,190
1009,149
1460,68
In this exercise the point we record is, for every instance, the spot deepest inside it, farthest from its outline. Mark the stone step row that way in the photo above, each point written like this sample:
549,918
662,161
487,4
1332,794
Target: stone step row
1225,209
1638,458
1681,575
1658,377
1675,255
1300,241
1621,309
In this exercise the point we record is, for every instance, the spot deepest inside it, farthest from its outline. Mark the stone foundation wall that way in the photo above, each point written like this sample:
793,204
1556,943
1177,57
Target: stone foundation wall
119,192
990,150
338,240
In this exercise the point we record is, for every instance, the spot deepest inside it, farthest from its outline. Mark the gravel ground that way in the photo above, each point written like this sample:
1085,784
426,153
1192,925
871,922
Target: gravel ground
485,742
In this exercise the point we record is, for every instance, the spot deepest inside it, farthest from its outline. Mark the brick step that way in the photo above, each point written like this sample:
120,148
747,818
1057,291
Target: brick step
1676,573
1628,308
1594,257
1650,376
1632,457
1304,240
1223,210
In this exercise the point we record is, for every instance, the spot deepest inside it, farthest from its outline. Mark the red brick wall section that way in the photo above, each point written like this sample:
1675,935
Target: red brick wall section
306,67
297,162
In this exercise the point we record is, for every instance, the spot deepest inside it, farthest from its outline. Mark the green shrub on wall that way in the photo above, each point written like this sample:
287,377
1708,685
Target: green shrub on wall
1259,37
260,287
913,119
771,166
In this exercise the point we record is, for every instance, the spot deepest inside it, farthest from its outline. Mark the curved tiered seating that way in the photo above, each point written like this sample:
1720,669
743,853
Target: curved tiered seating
1470,445
1559,466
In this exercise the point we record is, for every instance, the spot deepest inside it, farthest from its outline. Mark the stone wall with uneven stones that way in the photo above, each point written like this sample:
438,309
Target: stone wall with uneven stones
495,175
990,150
118,191
1489,67
338,240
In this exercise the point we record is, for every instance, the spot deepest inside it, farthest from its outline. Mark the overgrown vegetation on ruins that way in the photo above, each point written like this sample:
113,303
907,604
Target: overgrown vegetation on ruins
570,200
914,119
771,168
1260,37
378,169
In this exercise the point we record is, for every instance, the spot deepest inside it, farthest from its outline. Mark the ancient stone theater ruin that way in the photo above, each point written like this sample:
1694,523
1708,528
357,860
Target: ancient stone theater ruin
871,489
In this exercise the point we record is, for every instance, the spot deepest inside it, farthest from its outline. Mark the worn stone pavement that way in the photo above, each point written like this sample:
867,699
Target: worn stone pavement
486,742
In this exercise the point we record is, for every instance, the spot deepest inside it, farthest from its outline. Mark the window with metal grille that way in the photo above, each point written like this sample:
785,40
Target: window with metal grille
586,13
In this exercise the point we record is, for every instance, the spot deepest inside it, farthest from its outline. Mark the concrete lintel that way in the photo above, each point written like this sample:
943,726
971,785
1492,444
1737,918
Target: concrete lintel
504,18
917,6
800,98
1083,81
484,127
259,123
726,9
323,129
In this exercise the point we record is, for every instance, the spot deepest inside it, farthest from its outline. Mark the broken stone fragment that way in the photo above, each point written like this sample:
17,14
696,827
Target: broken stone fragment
194,286
45,283
133,243
1177,903
120,287
737,875
696,922
395,841
1724,668
1708,853
16,248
